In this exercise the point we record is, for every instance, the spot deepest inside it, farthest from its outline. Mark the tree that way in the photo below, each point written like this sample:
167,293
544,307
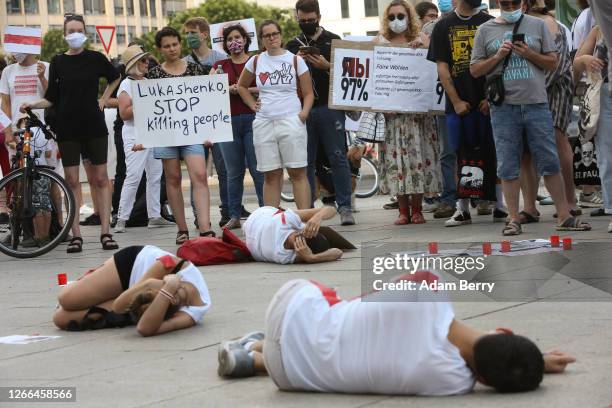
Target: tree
53,43
218,11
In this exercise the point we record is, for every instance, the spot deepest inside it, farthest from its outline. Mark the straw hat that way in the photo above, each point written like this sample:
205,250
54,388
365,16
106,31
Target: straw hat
132,55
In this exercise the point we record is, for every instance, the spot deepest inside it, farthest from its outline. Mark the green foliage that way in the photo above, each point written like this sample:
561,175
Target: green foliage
53,43
217,11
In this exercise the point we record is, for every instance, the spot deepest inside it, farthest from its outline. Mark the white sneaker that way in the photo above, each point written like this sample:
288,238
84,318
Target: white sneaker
591,201
119,227
159,222
459,218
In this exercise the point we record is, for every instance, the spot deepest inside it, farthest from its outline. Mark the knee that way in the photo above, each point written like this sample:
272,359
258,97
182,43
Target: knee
199,180
100,181
67,300
297,174
272,176
173,180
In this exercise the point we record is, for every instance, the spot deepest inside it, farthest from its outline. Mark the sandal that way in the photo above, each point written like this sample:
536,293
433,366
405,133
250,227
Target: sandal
75,245
108,244
182,237
527,218
512,228
574,212
573,224
208,234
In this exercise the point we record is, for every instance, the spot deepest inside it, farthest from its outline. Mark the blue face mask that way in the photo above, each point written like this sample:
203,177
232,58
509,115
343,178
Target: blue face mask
511,16
445,5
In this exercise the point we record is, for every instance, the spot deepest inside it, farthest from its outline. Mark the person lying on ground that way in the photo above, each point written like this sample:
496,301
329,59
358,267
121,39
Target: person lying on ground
316,342
141,285
289,236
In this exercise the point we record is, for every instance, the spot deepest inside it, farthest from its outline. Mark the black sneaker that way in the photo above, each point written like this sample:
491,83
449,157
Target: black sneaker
244,213
499,215
459,218
93,219
113,220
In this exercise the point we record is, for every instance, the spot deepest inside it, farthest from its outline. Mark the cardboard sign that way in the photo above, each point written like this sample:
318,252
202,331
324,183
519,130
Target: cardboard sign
383,78
23,40
216,33
106,34
182,111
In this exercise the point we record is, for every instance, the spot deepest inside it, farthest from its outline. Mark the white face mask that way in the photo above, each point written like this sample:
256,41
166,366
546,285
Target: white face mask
20,57
75,40
398,26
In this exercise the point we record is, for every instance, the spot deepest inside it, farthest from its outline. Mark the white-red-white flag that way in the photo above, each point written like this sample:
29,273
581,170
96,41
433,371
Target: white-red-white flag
24,40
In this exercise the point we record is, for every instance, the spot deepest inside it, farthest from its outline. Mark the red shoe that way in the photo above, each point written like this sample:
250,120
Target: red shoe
404,217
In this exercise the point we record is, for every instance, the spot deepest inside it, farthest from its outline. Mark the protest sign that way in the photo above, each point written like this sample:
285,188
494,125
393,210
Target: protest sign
216,33
182,111
25,40
403,80
383,78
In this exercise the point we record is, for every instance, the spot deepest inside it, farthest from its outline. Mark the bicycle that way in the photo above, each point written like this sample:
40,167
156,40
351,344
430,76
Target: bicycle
366,178
38,200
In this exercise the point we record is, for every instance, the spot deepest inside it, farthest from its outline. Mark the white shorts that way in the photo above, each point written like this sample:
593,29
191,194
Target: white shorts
280,143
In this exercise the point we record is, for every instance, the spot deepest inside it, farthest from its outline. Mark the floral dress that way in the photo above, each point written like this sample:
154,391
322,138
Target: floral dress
410,156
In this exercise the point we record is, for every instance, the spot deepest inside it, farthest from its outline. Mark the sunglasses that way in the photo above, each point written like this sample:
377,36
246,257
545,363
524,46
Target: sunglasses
509,3
269,36
399,16
71,16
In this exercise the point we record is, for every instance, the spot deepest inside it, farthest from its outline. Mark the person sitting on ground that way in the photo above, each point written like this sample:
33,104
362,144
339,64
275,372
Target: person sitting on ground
138,284
280,236
316,342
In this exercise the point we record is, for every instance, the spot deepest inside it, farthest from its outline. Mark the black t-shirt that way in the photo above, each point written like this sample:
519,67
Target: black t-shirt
118,124
73,90
452,41
320,77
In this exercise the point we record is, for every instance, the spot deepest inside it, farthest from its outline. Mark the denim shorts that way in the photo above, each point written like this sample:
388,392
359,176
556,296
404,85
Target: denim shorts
178,152
534,121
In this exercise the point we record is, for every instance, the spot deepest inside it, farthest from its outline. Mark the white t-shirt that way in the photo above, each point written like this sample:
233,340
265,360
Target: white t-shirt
127,132
22,85
371,347
266,231
581,28
277,84
147,257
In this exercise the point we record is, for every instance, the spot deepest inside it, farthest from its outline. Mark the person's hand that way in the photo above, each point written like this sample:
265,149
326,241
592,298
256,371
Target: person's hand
40,70
317,61
312,227
593,64
257,106
462,108
301,248
484,107
101,104
137,148
555,361
504,50
208,144
522,49
303,116
233,89
171,282
24,106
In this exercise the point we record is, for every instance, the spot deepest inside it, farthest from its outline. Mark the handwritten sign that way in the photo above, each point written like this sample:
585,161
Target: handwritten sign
248,24
383,78
182,111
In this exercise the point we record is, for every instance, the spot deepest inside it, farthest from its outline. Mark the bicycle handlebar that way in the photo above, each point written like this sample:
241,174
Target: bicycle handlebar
34,121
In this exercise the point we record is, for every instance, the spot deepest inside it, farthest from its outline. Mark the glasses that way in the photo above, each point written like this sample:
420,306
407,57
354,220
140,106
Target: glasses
269,36
392,17
509,3
71,16
307,21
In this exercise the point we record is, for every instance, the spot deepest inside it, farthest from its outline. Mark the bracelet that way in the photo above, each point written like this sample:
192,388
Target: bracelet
168,296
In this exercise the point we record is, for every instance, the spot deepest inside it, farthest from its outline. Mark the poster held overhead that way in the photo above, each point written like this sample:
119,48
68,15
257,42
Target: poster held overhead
216,33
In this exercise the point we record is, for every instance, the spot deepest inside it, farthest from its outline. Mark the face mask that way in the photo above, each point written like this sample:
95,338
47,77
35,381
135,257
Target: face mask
398,26
511,16
473,3
309,28
75,40
20,57
236,47
193,41
445,5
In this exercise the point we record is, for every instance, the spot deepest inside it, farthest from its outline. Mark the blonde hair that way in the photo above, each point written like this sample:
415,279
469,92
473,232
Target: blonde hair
412,31
199,22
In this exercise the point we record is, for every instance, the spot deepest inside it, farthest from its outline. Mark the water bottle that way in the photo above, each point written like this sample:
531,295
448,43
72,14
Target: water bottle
220,69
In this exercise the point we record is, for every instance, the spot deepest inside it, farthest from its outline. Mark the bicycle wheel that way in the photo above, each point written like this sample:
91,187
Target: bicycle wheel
41,210
287,190
367,180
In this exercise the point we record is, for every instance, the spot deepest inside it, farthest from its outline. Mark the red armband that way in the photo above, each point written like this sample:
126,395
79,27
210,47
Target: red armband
168,261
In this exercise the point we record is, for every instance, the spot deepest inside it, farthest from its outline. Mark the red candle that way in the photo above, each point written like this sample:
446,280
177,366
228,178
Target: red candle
433,248
505,246
486,248
567,244
62,279
554,241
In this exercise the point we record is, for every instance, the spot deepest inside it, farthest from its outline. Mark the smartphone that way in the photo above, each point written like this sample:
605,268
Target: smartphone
518,37
310,50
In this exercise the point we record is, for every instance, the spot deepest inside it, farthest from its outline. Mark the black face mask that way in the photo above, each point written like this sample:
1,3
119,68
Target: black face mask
473,3
309,28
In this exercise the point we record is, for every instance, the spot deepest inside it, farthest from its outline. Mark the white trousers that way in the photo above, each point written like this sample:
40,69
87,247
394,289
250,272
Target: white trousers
136,163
